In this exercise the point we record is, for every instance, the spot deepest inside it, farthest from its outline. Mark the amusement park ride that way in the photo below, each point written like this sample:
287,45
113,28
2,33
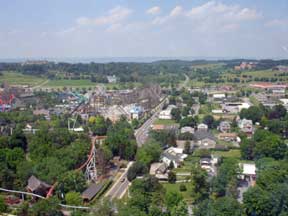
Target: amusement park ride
6,100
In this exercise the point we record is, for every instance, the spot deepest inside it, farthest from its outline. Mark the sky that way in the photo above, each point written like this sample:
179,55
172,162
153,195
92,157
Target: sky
143,28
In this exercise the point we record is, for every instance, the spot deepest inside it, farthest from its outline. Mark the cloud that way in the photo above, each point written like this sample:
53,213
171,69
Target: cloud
176,11
115,15
278,23
154,10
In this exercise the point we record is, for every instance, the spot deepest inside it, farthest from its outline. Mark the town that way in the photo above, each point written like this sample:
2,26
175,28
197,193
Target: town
210,139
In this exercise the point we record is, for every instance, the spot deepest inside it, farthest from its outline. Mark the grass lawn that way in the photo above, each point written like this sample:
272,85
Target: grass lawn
233,153
165,121
175,188
15,78
69,83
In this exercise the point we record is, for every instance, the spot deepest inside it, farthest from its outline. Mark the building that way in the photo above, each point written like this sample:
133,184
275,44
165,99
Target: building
219,96
112,79
246,126
245,66
187,130
202,127
91,191
204,140
248,171
228,137
268,86
37,186
166,114
224,126
136,112
174,156
159,170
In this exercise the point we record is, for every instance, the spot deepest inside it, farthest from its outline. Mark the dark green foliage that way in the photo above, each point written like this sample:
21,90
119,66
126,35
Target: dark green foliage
164,137
224,183
224,206
71,181
209,121
176,114
121,140
253,113
138,168
149,152
46,207
171,177
188,121
3,206
199,184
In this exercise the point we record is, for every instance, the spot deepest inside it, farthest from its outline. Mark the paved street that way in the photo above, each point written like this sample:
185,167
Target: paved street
120,187
141,133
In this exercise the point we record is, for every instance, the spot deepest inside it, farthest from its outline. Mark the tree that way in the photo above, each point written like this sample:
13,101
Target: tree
176,114
137,168
71,181
180,210
149,153
209,121
171,177
121,140
172,199
73,198
256,202
104,155
199,184
46,207
253,113
98,125
3,206
277,112
188,121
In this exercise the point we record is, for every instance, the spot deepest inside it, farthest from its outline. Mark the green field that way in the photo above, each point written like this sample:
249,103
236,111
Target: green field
175,188
15,78
165,121
234,153
69,83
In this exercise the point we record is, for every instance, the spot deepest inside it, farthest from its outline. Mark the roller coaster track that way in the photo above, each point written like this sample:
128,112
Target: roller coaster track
41,197
54,185
50,192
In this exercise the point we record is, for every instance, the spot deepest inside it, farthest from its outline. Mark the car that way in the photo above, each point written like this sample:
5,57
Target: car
122,180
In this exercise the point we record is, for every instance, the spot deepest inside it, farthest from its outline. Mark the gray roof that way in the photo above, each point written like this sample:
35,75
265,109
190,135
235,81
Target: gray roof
91,191
34,184
200,135
171,157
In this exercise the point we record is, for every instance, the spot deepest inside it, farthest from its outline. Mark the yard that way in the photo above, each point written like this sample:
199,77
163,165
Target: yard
176,188
165,121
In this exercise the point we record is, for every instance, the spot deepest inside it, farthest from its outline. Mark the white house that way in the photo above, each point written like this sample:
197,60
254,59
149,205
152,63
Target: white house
166,114
174,155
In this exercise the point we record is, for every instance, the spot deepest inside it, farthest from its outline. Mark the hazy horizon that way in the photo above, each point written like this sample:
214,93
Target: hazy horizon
54,29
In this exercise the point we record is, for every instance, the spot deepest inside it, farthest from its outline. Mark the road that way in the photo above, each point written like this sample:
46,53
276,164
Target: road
185,83
141,133
121,186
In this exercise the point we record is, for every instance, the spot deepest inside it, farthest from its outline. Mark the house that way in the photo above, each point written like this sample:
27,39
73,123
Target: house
204,140
187,130
246,126
228,137
136,112
224,126
166,114
182,143
159,170
219,96
173,155
202,127
112,79
44,112
91,191
37,186
248,171
209,164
